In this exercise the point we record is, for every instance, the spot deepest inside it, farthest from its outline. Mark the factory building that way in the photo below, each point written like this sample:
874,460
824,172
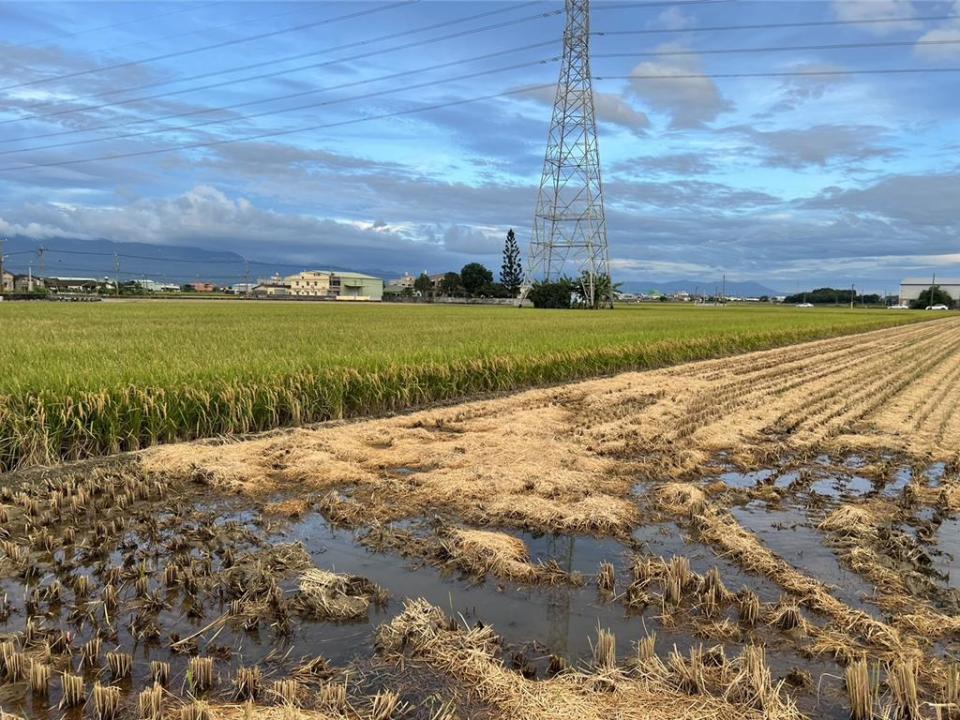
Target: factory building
911,288
335,285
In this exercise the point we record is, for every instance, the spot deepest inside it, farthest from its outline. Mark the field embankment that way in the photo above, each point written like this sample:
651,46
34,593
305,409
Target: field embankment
81,381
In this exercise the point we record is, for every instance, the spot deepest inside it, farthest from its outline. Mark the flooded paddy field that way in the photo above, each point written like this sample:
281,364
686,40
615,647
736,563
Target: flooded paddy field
112,579
747,538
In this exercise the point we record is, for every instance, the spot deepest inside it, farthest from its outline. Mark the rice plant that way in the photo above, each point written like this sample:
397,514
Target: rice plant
178,371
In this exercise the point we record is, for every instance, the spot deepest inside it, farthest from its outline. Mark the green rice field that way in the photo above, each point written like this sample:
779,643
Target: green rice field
91,379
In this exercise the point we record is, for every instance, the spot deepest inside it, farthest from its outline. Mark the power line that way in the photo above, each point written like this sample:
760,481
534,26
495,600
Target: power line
204,29
770,26
191,8
781,48
213,46
266,113
789,73
372,53
658,3
453,103
287,58
281,133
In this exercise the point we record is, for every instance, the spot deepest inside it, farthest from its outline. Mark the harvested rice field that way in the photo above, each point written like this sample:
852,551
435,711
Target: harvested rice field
768,535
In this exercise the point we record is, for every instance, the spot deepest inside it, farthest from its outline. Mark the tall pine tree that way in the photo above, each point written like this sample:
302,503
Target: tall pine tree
511,272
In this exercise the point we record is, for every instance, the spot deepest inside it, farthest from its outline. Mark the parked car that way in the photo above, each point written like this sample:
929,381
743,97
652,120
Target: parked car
804,305
937,307
898,307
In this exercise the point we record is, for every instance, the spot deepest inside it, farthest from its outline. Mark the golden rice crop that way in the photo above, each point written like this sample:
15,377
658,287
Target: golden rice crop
85,380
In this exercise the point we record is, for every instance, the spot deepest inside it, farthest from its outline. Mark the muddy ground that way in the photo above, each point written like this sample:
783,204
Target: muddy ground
769,535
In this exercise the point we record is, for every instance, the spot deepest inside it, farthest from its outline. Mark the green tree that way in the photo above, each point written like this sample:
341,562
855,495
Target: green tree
511,272
474,276
496,290
604,289
552,294
932,296
423,284
823,296
450,284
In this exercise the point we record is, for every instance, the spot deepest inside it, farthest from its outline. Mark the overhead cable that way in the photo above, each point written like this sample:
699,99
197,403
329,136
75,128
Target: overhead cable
287,71
289,58
780,48
454,103
771,26
213,46
342,86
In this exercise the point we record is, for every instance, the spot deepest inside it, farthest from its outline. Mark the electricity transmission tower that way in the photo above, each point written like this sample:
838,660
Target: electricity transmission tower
569,227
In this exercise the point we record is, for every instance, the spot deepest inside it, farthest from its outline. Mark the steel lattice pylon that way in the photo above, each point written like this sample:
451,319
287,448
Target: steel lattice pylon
570,228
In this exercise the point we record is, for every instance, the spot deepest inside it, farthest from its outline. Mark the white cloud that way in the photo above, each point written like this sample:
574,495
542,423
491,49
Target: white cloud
674,19
609,107
690,102
867,10
948,34
820,144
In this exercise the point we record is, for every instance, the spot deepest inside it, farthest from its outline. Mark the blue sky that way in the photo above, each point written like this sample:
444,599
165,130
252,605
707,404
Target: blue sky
793,181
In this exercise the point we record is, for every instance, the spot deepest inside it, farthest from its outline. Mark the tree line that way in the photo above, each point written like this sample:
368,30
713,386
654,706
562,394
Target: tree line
476,281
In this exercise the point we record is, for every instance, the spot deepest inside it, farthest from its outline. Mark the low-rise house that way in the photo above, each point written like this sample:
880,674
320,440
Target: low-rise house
27,283
400,284
203,287
74,284
149,285
272,287
6,282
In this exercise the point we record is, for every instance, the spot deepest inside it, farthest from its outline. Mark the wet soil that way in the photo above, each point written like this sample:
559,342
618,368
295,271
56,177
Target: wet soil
232,595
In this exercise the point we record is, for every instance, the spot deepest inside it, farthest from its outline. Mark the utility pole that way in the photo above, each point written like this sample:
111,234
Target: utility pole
116,275
41,253
853,294
569,225
1,263
933,285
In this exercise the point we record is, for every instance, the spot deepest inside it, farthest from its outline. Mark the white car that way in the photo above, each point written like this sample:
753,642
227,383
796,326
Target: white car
937,307
898,307
805,305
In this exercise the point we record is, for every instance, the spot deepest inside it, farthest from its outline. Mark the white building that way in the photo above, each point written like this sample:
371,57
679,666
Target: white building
149,285
911,288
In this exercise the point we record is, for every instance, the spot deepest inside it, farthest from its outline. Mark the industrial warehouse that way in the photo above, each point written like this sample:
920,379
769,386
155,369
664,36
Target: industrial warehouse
911,288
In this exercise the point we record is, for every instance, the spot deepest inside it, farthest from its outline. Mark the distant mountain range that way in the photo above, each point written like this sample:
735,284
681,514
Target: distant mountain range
703,287
70,257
